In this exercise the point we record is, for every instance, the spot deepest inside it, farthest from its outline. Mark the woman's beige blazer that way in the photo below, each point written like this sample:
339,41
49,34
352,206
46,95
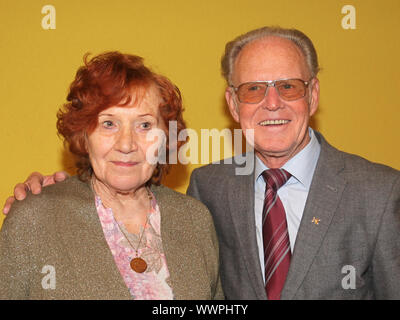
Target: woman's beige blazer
52,246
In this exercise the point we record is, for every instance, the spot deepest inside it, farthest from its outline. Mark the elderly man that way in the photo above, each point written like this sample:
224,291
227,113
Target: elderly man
311,222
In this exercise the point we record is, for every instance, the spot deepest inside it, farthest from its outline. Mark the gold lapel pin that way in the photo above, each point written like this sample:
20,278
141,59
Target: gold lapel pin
315,220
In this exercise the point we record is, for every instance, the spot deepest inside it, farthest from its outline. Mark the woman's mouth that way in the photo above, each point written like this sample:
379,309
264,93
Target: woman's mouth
125,163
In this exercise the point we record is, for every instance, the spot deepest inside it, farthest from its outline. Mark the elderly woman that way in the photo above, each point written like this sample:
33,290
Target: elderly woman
112,232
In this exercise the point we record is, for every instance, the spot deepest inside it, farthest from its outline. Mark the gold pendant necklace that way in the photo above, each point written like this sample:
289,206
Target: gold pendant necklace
137,264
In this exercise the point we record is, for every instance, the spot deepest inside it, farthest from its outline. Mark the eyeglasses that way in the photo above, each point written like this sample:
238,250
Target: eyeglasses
288,89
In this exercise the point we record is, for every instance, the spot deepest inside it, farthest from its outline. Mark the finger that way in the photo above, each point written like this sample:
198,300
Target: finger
8,204
54,178
20,191
34,182
60,176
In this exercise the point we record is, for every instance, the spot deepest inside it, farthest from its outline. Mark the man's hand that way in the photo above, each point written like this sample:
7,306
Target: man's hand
34,183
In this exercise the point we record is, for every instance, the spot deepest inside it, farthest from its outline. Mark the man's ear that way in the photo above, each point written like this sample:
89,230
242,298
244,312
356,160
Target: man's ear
314,96
232,103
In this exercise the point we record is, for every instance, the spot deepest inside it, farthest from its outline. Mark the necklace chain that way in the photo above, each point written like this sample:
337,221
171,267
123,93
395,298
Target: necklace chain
126,237
137,263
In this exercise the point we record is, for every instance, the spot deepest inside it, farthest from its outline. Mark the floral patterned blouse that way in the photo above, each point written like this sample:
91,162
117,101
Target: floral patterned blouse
152,284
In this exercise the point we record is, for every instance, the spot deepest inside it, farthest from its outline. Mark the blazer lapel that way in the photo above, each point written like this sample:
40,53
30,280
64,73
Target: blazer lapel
323,198
241,204
174,248
179,251
92,263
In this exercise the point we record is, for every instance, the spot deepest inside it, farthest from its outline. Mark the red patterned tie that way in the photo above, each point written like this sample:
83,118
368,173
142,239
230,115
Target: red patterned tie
275,234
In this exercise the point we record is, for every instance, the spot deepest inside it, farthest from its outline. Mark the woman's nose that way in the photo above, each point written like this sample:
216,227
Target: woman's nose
126,141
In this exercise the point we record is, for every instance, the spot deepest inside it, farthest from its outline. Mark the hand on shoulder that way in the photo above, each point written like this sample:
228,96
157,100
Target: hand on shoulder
34,184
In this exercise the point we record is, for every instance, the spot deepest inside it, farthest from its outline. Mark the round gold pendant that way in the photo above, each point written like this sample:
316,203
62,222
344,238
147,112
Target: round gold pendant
138,265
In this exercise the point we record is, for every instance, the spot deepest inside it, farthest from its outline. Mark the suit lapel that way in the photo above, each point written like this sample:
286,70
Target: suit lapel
241,204
324,196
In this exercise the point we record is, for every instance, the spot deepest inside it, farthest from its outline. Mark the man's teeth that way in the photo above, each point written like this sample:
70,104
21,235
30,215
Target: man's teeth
269,122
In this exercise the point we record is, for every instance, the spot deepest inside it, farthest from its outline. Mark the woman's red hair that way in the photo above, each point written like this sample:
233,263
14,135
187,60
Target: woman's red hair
105,81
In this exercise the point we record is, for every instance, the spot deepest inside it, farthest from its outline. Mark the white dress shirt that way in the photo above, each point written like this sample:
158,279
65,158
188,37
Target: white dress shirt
293,193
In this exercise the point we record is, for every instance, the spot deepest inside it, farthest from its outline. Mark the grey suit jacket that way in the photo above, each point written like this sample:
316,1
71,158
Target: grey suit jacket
352,253
60,229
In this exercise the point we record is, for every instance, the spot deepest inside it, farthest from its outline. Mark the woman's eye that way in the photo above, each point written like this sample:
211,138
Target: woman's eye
145,125
108,124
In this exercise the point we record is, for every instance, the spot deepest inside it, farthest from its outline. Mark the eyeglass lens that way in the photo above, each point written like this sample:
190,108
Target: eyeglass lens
254,92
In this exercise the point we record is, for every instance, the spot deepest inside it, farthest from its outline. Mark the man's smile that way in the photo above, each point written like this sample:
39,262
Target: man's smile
273,122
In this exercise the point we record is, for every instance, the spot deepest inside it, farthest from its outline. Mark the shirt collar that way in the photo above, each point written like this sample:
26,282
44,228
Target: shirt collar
301,166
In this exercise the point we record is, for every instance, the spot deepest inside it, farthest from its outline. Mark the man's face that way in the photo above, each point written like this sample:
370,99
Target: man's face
266,59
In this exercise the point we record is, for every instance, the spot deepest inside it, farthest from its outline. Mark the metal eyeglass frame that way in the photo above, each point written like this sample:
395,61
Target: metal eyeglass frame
271,83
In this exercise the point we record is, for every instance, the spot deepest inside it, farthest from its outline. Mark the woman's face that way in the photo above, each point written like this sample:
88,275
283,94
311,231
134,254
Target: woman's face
118,146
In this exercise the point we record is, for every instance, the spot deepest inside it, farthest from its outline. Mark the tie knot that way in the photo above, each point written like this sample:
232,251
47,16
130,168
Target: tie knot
276,178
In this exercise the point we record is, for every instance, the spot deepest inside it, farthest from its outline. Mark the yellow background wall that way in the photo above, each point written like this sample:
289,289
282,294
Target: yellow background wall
184,39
